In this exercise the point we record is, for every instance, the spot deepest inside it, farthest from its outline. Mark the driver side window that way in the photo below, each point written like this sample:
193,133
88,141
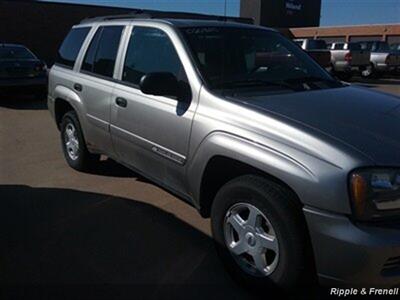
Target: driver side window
150,50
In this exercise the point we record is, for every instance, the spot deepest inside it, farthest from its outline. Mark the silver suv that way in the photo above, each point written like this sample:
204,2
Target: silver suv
299,173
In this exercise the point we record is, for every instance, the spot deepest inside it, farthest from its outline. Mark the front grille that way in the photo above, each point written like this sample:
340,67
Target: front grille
391,267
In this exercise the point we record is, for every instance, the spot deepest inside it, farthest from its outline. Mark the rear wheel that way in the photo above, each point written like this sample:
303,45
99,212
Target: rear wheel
73,144
369,72
260,233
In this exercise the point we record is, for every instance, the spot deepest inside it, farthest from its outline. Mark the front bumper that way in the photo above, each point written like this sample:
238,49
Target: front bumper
347,254
349,68
382,67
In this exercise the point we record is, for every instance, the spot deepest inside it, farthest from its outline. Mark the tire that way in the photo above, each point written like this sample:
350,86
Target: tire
277,204
369,72
76,153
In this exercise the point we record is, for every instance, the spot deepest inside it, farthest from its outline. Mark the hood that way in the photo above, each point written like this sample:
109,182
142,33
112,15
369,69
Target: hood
364,119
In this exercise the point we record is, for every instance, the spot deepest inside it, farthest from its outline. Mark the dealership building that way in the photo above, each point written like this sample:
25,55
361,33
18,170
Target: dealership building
389,33
42,26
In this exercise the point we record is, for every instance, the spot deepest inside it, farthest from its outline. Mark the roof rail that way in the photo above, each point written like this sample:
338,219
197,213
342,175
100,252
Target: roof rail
154,14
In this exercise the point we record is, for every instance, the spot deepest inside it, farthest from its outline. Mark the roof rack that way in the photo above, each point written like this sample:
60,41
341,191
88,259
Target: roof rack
154,14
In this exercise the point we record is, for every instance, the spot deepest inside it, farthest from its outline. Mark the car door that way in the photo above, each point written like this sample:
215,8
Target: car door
95,85
151,133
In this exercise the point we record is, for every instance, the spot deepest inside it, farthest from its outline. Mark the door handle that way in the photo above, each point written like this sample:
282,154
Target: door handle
78,87
121,102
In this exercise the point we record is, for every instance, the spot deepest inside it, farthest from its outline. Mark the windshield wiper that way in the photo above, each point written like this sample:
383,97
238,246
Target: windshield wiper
253,83
308,79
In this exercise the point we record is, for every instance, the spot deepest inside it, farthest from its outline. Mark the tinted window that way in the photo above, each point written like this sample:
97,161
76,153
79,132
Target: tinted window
354,46
382,46
299,43
232,57
15,52
87,64
339,46
366,46
150,50
102,53
71,46
316,44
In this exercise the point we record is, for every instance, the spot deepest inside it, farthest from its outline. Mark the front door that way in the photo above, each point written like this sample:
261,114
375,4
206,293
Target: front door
151,133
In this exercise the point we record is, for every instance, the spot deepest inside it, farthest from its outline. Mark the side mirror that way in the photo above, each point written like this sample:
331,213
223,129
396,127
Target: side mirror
159,84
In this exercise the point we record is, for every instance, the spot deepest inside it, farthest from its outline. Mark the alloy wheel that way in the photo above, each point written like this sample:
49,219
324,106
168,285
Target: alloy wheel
71,141
251,239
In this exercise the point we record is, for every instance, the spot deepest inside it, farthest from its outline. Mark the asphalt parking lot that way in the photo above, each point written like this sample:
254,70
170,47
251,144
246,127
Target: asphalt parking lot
111,227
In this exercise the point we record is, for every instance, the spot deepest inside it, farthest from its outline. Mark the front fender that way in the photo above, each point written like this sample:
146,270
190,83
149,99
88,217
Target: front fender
317,183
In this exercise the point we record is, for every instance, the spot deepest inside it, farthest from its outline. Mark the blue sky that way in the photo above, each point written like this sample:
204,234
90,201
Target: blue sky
334,12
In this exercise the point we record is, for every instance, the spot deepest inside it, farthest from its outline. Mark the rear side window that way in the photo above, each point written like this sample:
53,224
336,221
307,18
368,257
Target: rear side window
71,46
316,44
150,50
15,52
339,46
354,46
88,61
102,52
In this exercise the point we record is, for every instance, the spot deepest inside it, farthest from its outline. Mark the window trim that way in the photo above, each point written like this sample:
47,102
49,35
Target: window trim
117,57
63,66
88,47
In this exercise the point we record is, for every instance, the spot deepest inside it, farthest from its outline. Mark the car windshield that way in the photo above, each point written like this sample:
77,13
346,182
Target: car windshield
15,52
375,46
230,57
382,46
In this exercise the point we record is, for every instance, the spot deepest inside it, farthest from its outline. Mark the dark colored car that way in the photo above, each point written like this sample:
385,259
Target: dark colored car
21,71
383,59
317,49
396,49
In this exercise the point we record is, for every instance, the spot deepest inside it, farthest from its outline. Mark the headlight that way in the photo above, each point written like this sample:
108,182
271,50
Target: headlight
375,193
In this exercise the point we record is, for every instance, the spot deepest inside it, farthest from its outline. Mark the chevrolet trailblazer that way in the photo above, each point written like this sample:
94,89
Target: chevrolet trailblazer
299,172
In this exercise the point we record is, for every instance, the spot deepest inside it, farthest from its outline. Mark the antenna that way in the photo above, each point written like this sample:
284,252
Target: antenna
225,8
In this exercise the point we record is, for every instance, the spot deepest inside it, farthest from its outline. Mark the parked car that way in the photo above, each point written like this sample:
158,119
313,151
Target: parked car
383,59
348,58
317,49
396,48
21,71
296,169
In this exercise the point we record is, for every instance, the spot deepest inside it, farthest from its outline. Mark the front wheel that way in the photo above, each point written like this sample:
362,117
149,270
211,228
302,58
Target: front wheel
260,233
73,144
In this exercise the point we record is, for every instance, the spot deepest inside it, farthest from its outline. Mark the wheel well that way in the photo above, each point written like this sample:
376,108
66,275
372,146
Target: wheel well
220,170
61,107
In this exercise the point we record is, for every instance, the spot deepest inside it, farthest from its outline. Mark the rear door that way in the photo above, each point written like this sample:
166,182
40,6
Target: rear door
95,84
151,133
